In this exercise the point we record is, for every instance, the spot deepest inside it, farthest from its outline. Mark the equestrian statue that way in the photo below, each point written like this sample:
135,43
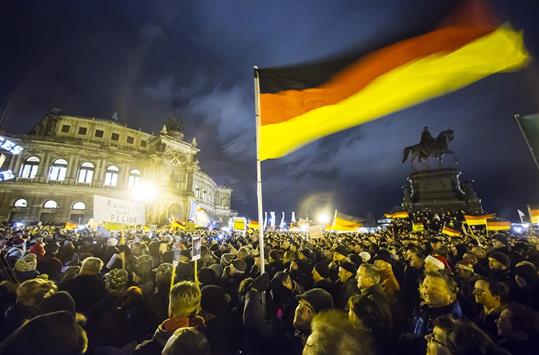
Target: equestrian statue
429,147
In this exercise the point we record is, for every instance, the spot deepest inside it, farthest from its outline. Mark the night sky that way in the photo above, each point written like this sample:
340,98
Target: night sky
148,60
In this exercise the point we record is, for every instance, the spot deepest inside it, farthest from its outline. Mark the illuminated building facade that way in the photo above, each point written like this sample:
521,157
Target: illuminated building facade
66,160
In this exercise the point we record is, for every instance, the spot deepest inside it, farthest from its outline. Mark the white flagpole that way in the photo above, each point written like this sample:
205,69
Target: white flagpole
259,173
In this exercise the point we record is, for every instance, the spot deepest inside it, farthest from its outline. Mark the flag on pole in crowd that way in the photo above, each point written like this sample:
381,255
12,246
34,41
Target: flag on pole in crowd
451,232
265,220
418,227
301,103
397,215
493,225
521,215
272,220
344,222
476,220
293,218
534,215
282,224
529,125
253,224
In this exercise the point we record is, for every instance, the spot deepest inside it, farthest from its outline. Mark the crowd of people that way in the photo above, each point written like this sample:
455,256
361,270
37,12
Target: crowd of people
391,292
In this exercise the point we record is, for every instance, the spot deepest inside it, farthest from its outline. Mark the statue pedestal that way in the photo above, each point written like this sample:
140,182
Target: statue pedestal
439,188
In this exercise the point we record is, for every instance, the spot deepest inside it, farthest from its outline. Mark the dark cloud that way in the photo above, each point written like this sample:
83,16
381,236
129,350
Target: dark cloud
194,60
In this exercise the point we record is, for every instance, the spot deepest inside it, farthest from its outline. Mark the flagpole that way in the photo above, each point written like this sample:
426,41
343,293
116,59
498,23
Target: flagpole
517,116
259,172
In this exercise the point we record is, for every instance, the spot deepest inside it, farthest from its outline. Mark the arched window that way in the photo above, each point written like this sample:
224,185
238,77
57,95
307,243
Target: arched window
197,191
86,173
58,170
29,168
134,178
20,203
204,195
111,176
50,204
79,206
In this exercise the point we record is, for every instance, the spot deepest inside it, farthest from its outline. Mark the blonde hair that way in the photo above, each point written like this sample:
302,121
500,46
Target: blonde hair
91,266
184,299
32,292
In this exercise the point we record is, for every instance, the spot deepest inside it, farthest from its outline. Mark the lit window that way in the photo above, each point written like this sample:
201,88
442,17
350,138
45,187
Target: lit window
50,204
111,176
58,170
20,203
86,173
29,168
134,178
79,206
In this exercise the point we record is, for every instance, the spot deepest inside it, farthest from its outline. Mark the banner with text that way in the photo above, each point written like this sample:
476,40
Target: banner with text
112,210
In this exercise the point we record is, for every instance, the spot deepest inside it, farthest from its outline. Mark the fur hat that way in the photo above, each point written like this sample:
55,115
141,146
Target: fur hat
27,263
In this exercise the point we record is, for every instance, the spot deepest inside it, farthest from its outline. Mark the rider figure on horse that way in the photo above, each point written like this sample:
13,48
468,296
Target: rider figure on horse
427,142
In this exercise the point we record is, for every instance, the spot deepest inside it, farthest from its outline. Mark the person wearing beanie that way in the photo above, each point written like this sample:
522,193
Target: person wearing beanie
219,328
87,288
346,285
320,274
309,304
49,264
37,249
499,264
207,276
25,268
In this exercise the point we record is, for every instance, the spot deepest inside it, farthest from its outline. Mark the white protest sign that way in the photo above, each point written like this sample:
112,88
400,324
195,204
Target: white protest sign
316,231
195,250
112,210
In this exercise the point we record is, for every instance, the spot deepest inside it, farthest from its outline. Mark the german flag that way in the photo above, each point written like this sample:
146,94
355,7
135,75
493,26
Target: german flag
343,222
418,227
451,232
477,220
302,103
498,225
253,224
397,215
534,215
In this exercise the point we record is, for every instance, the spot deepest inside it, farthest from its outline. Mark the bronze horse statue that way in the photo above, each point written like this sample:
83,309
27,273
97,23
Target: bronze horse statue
430,147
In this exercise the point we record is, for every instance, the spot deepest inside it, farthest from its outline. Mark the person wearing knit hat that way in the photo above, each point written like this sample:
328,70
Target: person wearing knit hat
214,300
498,261
365,256
239,265
433,264
217,268
346,285
25,268
207,276
116,281
310,303
60,301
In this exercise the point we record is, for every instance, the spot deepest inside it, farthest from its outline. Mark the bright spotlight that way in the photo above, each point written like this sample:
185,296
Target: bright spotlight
324,218
145,192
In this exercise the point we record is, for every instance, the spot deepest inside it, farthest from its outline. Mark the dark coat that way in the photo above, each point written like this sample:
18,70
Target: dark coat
86,290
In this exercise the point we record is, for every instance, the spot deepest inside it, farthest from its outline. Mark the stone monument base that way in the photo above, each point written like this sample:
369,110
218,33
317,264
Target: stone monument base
440,188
